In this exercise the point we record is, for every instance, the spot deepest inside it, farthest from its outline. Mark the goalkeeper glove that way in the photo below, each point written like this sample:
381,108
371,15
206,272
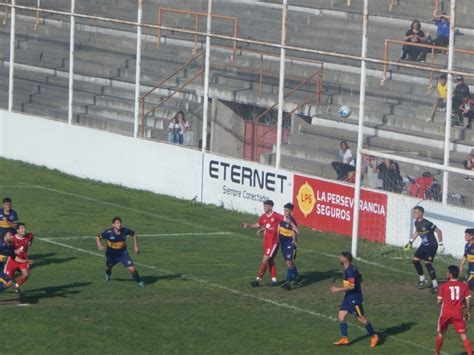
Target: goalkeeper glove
441,247
408,246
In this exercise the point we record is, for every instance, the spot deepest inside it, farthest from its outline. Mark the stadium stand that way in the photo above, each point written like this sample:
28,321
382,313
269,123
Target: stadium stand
105,74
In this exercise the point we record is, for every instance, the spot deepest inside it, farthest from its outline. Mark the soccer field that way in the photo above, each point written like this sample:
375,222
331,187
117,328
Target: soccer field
197,264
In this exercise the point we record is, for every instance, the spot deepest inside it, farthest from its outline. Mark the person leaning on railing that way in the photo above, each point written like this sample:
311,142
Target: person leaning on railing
414,35
442,29
442,93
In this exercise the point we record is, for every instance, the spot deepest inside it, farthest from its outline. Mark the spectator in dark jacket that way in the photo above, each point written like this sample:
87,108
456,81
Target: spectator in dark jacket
461,93
414,35
389,172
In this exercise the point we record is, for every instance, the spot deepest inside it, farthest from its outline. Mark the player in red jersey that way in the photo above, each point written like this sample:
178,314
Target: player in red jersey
268,223
21,242
452,294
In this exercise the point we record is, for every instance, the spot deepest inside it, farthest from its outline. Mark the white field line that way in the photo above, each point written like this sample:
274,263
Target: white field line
146,235
235,292
188,223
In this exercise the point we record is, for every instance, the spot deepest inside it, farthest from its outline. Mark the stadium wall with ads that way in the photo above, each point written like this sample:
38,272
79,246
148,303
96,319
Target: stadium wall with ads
101,155
451,220
233,183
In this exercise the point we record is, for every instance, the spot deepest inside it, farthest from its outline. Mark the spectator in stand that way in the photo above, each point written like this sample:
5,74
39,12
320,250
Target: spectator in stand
442,29
389,172
440,102
414,35
183,126
468,110
173,131
461,93
369,168
469,164
346,162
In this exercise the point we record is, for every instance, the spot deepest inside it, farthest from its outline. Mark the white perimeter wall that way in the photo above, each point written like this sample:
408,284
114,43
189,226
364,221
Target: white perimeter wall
186,173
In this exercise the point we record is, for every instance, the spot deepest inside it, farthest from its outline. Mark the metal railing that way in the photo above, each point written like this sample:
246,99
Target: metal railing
318,77
431,65
197,17
145,112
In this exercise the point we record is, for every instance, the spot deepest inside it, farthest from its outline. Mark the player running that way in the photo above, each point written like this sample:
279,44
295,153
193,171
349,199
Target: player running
6,251
426,230
469,257
21,242
288,231
117,249
8,216
268,222
352,302
451,295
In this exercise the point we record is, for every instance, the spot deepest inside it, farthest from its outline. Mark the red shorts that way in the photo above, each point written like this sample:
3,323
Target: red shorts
458,324
11,266
270,247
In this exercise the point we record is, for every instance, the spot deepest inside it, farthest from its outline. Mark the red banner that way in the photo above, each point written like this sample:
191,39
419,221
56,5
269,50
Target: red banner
328,207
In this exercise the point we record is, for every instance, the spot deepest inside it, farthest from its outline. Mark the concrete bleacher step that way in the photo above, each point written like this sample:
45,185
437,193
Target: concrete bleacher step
92,121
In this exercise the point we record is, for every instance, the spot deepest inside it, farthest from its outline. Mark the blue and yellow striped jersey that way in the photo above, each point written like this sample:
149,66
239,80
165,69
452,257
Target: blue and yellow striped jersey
469,255
116,240
285,230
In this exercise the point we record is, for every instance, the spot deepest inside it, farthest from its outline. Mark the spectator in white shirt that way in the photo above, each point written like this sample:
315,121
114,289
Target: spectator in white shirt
183,126
346,162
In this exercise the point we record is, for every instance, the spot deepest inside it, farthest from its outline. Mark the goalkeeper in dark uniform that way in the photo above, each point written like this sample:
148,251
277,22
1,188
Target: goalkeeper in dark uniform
426,252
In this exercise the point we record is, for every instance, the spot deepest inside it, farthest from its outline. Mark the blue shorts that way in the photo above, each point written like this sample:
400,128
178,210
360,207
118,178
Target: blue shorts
121,257
352,305
288,249
469,280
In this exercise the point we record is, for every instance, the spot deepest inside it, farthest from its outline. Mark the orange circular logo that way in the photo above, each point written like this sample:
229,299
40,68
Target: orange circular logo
306,199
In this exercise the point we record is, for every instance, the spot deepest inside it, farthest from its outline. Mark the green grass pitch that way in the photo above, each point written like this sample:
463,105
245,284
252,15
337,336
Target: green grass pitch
197,264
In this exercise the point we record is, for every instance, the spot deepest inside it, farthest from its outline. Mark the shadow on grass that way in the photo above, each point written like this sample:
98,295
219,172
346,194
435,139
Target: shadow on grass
150,280
34,296
387,332
317,276
48,259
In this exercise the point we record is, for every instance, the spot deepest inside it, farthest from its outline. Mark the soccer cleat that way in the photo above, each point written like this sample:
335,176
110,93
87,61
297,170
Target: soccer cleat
286,286
421,285
254,283
374,340
17,292
342,341
273,284
107,277
141,284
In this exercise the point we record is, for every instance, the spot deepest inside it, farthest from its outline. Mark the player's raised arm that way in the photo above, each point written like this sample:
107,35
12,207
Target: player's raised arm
439,234
98,242
136,249
461,264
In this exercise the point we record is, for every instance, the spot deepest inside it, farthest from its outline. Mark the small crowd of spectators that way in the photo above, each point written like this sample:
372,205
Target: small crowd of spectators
416,35
462,101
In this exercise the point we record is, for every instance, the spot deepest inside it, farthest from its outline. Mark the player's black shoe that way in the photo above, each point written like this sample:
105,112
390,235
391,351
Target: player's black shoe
273,283
286,286
421,285
254,283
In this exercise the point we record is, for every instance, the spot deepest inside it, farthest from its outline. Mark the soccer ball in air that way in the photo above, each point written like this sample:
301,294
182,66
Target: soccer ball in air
344,111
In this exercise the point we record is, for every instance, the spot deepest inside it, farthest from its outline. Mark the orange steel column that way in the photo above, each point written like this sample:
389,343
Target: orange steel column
38,4
385,65
5,9
158,31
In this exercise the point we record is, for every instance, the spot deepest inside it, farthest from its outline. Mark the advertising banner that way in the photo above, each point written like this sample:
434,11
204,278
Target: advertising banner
328,207
243,185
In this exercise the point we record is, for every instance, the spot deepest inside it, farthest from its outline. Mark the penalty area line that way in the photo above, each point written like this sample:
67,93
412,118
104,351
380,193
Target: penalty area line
234,291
